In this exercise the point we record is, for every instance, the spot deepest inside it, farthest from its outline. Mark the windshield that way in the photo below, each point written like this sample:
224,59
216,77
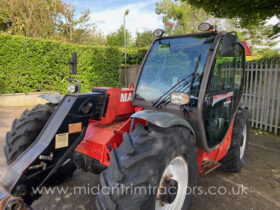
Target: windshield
171,60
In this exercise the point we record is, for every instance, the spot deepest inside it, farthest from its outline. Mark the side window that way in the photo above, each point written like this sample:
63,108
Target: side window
239,63
223,94
227,71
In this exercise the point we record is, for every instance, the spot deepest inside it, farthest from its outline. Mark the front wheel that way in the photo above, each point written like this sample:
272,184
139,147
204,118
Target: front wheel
154,168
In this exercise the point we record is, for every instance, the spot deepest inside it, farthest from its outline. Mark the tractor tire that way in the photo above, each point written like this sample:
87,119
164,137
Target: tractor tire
145,159
24,132
235,158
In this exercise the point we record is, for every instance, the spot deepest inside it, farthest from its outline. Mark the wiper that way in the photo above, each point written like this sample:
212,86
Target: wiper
184,83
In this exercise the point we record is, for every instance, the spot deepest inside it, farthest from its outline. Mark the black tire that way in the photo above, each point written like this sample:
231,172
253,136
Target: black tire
234,161
140,161
24,132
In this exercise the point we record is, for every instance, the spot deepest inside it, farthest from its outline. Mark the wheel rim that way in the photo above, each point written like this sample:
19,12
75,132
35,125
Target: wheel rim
177,170
243,146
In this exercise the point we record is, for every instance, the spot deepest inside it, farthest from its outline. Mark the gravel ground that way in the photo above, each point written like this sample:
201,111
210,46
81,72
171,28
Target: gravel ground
256,187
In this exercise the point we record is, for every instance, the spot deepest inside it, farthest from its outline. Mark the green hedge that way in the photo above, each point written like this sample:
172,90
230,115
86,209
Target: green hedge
135,55
28,65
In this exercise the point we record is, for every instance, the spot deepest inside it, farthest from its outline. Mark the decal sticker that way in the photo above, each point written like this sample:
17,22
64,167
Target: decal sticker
61,140
227,102
125,97
221,97
75,128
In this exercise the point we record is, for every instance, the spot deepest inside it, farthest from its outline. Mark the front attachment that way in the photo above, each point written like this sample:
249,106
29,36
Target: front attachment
53,147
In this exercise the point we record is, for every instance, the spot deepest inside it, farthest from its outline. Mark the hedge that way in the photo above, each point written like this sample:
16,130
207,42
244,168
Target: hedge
30,65
135,55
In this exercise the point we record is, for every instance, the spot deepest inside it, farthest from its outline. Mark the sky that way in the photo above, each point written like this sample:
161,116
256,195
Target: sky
107,15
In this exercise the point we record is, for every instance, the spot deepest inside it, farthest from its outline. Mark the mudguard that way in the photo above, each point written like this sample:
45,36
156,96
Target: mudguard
52,98
162,119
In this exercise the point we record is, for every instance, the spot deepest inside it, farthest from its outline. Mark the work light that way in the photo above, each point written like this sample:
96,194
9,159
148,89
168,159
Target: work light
207,27
158,33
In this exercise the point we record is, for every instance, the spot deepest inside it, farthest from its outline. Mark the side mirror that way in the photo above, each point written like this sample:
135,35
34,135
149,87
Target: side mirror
229,45
73,63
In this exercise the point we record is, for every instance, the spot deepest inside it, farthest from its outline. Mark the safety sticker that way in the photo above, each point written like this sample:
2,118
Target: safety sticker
61,140
75,128
221,97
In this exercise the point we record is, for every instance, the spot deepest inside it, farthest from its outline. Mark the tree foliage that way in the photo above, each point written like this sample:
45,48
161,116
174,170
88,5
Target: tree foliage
34,18
144,39
136,55
180,17
71,28
47,19
248,12
258,37
117,38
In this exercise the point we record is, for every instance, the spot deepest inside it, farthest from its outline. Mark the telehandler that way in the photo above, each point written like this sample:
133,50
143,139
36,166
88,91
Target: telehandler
183,117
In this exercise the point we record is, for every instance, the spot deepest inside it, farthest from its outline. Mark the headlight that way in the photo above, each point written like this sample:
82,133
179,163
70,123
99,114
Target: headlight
179,98
72,88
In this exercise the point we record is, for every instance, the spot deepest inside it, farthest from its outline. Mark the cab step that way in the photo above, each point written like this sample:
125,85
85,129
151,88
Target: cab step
208,166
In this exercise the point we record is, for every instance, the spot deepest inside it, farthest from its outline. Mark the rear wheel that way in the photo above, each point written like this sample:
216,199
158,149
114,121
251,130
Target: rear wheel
153,168
24,132
235,158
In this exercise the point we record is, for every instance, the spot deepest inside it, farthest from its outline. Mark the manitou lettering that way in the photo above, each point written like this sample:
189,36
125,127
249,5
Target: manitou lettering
125,97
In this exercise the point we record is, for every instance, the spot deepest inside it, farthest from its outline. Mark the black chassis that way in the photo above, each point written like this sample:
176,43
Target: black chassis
195,114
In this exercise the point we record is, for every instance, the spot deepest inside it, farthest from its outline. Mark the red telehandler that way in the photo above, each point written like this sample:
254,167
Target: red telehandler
182,118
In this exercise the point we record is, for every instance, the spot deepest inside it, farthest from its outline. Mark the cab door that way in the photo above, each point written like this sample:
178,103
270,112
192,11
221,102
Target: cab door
223,94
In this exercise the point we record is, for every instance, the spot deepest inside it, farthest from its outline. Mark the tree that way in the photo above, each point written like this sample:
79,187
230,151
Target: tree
144,39
180,17
248,12
268,53
258,37
117,38
34,18
92,37
47,19
71,28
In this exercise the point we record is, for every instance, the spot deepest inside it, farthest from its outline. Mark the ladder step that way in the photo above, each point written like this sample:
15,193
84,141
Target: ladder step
208,166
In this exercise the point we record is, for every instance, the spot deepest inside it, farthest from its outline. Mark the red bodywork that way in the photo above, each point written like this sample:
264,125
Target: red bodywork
102,136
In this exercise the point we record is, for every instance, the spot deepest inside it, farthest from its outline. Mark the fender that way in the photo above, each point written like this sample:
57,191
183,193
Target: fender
52,98
162,119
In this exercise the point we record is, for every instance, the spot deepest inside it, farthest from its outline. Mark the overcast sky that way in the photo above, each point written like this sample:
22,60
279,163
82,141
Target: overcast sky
107,15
